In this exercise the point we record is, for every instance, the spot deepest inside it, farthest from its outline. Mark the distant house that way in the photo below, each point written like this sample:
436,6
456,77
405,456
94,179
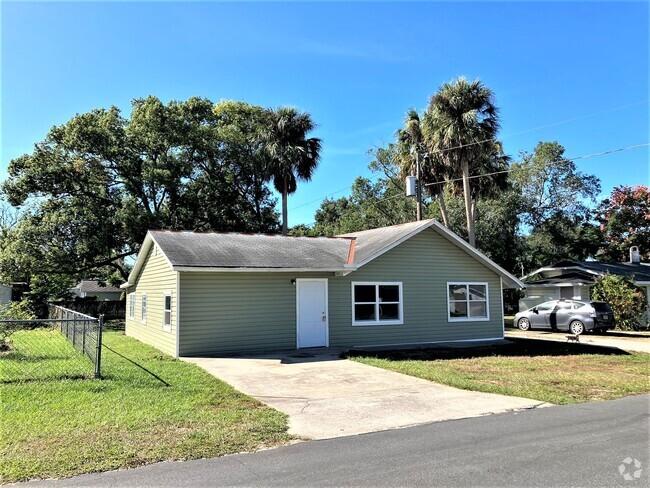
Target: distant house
192,294
94,288
574,279
5,294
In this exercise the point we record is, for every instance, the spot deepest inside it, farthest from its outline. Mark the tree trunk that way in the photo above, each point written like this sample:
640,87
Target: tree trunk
284,209
443,209
468,204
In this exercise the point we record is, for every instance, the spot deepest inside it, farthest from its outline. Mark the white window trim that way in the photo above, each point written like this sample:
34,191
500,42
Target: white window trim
167,328
144,310
365,323
132,306
468,318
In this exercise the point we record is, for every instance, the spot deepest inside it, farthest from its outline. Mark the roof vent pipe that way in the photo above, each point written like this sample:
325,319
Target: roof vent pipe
635,257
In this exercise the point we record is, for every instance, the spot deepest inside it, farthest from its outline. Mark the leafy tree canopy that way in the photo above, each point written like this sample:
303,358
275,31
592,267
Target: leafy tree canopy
625,222
550,184
97,183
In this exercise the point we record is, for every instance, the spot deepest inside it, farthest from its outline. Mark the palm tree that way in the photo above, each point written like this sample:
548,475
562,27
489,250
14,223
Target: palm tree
460,121
292,155
430,169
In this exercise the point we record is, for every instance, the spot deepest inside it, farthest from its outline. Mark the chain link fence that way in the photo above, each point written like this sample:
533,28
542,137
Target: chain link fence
66,345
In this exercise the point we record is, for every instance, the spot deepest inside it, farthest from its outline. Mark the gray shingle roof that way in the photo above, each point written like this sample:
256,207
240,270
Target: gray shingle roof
370,242
233,250
220,251
640,272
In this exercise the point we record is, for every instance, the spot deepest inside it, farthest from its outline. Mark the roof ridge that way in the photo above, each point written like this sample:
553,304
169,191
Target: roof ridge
415,223
260,234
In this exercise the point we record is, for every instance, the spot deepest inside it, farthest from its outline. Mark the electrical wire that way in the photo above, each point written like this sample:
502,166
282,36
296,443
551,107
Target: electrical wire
586,156
554,124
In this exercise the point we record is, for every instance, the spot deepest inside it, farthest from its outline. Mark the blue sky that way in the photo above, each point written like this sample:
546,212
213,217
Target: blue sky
356,67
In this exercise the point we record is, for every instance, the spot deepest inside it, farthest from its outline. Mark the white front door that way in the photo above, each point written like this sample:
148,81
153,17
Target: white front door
311,312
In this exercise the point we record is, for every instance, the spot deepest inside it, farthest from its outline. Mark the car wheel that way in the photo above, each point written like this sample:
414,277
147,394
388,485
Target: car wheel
577,327
523,324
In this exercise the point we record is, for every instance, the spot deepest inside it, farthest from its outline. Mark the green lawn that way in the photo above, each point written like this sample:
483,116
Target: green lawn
551,372
149,407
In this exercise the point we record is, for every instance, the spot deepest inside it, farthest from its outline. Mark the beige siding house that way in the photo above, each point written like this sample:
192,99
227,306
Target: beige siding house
194,294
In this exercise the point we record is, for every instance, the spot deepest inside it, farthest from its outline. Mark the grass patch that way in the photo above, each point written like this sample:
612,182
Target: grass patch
148,407
547,371
42,354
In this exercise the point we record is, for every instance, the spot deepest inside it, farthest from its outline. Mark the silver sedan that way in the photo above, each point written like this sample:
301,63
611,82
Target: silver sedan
571,315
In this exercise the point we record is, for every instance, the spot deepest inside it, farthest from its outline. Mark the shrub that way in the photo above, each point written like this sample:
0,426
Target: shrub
626,299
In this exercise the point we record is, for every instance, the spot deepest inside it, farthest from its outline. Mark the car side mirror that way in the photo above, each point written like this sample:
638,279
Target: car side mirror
535,310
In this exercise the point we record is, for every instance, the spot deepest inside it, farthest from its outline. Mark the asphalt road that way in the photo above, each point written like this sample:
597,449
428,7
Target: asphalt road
576,445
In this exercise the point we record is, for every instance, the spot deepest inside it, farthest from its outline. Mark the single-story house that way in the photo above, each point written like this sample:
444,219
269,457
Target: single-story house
5,294
97,289
574,279
193,294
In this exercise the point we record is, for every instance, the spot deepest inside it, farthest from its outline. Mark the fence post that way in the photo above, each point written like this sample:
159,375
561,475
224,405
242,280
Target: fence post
98,353
83,337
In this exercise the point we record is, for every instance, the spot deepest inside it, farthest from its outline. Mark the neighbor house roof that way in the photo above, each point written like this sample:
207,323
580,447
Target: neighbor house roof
578,270
94,286
213,251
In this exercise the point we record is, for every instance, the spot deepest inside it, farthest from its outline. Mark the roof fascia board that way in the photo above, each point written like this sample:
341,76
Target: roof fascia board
259,270
556,285
508,278
559,268
147,244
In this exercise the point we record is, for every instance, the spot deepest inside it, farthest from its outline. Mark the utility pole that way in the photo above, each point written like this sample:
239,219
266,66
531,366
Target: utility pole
418,188
413,185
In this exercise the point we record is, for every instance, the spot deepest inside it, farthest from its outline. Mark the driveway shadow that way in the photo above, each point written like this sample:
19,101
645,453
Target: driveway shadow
510,347
293,356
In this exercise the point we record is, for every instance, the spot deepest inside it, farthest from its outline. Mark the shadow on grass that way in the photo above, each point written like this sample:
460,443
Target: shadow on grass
512,348
154,375
61,377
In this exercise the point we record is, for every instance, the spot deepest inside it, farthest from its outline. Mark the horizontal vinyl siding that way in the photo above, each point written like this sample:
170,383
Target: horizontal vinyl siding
225,313
423,264
156,278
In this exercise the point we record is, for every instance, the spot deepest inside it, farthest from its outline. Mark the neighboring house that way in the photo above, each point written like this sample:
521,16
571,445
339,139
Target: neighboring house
193,294
5,294
93,288
574,279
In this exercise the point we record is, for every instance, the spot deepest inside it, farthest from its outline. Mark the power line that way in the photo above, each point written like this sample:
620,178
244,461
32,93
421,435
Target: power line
586,156
554,124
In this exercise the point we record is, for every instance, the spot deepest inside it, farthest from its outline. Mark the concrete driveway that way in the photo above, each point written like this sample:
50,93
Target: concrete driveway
634,341
326,396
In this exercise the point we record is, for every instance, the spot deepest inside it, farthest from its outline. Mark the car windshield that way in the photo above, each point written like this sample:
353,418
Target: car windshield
601,307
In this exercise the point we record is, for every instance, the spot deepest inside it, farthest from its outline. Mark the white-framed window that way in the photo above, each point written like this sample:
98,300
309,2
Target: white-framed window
468,302
377,303
167,311
132,306
143,311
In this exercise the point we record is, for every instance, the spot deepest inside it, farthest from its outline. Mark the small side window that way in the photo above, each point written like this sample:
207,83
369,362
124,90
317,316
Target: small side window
143,316
167,312
132,306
